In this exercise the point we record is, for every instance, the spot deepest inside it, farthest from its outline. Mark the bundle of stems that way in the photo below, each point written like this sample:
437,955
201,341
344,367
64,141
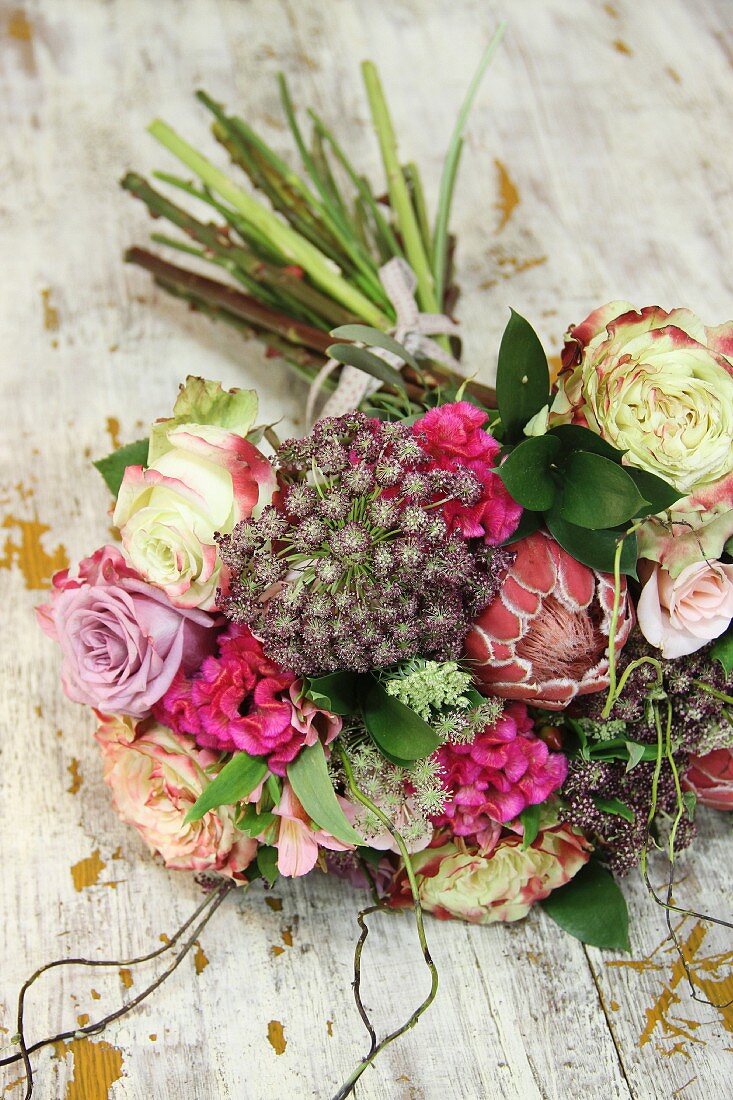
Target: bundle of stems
302,251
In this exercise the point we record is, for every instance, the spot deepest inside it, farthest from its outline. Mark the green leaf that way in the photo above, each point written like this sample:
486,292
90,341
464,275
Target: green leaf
112,468
522,376
309,778
337,692
723,651
690,800
267,863
374,338
574,437
530,818
596,492
527,472
252,823
596,549
614,806
658,492
365,361
528,524
396,729
592,908
235,781
636,753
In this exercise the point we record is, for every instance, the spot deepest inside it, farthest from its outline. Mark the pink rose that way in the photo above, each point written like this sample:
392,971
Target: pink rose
155,780
682,615
503,885
202,481
710,777
122,640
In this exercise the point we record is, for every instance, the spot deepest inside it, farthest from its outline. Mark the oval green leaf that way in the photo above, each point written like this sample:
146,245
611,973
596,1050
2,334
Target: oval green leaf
522,376
337,692
235,781
398,731
526,472
596,492
363,360
596,549
309,778
574,437
592,908
658,492
374,338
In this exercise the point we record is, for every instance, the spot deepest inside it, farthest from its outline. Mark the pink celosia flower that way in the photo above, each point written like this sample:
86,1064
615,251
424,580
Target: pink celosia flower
502,771
155,778
454,436
122,640
241,700
297,841
544,637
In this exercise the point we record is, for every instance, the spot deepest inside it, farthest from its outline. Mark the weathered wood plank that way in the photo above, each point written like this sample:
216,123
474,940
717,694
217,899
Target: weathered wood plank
606,123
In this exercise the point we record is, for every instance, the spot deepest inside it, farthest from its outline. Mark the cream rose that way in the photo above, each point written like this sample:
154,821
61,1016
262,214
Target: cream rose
683,614
155,777
656,385
203,480
503,885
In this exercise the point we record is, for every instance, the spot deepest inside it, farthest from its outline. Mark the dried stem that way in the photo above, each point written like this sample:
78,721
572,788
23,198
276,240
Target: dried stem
208,907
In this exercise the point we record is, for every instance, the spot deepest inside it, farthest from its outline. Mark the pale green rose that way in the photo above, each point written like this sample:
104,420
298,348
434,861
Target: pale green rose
502,885
201,479
656,385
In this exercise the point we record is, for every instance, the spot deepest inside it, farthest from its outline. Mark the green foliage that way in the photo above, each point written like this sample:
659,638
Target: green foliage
267,863
368,362
530,818
337,692
596,493
527,472
235,782
592,908
112,468
723,651
522,377
596,549
614,806
309,778
401,734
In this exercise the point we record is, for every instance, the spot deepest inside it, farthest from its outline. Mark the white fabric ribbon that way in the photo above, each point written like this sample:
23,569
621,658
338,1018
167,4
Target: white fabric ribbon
413,330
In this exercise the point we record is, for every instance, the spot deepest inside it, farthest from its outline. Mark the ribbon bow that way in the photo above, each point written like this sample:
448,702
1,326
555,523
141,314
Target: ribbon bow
413,330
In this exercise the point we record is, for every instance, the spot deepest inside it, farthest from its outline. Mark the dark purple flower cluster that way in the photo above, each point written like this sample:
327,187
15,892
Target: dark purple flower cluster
699,719
354,566
622,841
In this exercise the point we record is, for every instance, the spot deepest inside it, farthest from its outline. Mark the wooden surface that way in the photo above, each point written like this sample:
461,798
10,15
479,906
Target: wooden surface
598,164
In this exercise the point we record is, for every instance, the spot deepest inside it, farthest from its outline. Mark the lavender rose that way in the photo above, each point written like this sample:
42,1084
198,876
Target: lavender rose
122,640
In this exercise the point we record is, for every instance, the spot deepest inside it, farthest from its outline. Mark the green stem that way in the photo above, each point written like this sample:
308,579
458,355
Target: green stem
295,247
399,195
713,691
612,693
348,1085
450,168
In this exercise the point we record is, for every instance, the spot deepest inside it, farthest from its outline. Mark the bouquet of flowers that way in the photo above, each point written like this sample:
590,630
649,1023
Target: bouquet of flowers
471,651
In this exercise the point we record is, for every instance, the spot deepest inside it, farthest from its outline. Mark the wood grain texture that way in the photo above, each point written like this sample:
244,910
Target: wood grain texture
597,165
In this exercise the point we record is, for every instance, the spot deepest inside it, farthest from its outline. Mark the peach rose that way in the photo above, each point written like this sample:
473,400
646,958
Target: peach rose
683,614
155,778
462,884
710,777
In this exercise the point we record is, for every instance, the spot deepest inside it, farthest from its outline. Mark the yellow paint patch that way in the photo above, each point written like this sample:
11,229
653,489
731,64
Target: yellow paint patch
51,321
673,74
329,1028
276,1036
96,996
277,950
87,871
126,977
76,777
13,1084
287,936
96,1067
712,975
113,431
508,195
621,47
275,904
83,1019
200,960
25,550
153,1038
19,26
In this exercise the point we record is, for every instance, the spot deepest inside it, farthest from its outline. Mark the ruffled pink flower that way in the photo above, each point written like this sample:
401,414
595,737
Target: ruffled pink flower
297,841
122,640
502,771
544,636
240,700
453,435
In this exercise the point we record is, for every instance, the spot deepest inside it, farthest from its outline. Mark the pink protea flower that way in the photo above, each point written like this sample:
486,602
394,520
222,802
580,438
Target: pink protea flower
454,436
241,700
544,637
502,771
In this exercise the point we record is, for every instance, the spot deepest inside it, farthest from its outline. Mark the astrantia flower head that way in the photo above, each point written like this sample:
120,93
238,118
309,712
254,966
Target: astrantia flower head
359,564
